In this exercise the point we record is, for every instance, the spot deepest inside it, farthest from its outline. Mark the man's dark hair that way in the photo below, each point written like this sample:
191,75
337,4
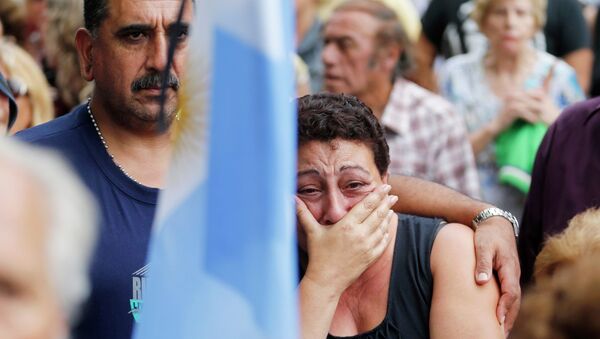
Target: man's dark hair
94,12
325,117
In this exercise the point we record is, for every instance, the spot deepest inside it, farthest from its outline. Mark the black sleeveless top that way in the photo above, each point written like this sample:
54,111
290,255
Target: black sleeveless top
411,282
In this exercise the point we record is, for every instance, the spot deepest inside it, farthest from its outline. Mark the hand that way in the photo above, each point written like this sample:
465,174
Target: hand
495,248
517,105
340,253
543,106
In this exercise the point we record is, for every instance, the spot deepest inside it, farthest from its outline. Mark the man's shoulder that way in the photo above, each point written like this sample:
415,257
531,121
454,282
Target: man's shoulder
420,101
58,131
580,115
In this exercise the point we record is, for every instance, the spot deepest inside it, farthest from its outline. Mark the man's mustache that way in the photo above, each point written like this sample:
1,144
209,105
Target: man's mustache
154,80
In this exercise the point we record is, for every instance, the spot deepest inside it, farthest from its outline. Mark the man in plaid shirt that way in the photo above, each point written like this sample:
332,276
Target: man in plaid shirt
365,54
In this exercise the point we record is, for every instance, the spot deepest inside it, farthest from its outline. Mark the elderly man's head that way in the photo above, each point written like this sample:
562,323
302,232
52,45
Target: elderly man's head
365,45
124,50
47,232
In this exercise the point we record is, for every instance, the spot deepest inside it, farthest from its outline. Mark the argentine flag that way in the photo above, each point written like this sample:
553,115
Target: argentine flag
222,262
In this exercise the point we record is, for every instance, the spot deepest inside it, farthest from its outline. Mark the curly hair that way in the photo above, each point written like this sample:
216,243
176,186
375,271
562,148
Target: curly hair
566,305
581,238
326,116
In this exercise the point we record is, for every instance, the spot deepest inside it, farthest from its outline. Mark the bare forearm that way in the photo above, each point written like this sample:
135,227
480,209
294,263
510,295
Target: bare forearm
581,60
481,138
420,197
317,307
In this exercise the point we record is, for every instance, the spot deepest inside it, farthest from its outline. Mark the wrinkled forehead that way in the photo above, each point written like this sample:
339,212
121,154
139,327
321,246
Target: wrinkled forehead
147,11
335,155
352,22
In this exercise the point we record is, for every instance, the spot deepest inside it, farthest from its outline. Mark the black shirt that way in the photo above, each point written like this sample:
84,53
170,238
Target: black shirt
411,282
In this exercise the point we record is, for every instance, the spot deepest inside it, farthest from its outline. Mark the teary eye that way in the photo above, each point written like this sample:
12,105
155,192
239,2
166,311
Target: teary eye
136,35
309,190
355,185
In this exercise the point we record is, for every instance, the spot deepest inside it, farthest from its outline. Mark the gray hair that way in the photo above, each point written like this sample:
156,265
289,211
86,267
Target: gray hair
390,31
72,220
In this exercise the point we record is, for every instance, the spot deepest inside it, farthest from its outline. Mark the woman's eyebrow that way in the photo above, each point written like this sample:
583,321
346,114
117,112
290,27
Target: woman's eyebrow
310,172
354,167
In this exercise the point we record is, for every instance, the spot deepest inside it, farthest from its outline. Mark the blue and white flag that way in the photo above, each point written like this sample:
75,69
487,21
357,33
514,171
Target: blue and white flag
222,258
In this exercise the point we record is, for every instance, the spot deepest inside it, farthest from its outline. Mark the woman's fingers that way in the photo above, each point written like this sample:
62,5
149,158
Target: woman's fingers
379,215
365,208
305,218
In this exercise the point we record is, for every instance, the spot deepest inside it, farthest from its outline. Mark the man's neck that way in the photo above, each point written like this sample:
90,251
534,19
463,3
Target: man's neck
143,155
377,97
500,62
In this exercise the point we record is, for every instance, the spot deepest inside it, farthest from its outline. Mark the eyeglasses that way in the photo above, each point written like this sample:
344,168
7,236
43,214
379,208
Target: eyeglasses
17,87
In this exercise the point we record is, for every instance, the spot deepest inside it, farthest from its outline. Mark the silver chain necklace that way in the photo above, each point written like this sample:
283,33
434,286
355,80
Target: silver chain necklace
89,109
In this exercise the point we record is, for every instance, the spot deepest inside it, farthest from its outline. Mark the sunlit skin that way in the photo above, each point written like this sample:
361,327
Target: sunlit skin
4,113
333,177
28,305
24,118
509,26
132,42
349,53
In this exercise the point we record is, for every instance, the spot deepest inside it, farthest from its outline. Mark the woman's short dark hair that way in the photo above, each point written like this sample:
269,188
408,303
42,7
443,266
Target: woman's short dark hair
325,117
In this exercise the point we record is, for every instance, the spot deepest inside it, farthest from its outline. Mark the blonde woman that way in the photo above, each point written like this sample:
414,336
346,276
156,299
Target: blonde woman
507,88
28,84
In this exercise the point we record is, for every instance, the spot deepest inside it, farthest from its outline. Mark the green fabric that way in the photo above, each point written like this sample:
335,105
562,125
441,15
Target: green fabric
516,148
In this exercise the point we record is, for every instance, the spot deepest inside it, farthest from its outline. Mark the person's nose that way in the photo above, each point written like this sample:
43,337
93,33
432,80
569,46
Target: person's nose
157,52
511,19
336,207
330,54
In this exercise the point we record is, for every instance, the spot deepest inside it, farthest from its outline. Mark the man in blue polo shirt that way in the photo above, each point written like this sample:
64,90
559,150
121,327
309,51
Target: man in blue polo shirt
113,143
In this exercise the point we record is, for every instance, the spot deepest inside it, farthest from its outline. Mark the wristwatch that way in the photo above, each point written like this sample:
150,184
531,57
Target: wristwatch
496,212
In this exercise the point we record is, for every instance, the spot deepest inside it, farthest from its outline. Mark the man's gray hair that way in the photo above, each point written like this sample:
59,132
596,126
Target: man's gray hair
72,220
390,31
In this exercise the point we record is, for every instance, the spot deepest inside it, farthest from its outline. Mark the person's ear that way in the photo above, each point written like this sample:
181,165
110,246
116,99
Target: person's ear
385,177
85,52
391,57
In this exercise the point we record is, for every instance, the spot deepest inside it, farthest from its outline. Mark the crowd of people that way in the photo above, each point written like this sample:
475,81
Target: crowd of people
444,149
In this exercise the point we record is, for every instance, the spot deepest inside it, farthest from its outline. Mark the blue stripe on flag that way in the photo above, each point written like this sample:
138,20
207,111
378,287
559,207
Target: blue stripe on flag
250,173
224,265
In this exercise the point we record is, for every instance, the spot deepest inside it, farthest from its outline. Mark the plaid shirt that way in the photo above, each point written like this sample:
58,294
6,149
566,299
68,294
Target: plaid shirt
427,139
